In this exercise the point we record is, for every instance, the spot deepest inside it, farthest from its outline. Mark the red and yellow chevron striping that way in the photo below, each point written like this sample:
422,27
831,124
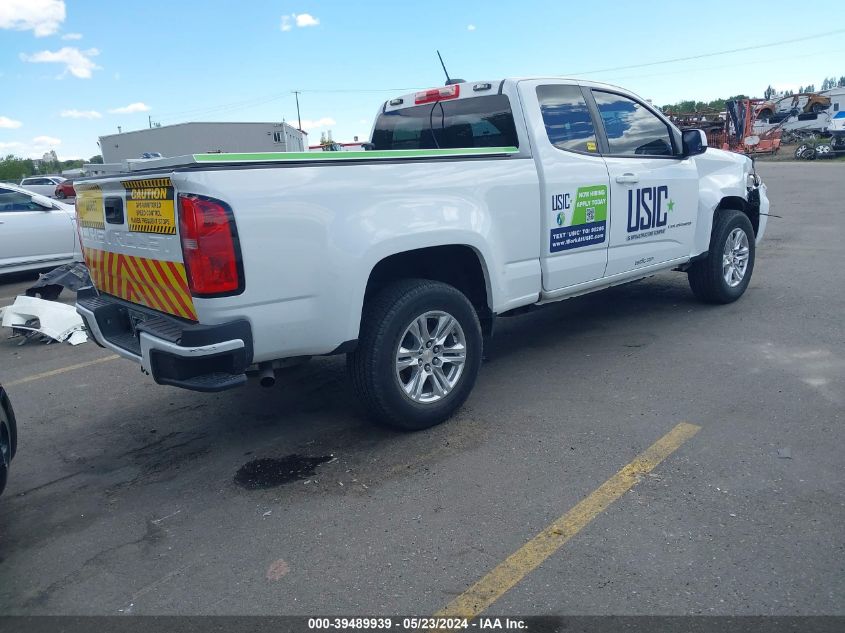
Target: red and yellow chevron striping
158,285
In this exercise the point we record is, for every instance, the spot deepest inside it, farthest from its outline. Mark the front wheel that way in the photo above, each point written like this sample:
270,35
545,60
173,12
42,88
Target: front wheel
418,354
61,195
724,274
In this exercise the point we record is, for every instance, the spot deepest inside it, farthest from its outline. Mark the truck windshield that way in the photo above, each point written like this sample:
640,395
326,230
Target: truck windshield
476,122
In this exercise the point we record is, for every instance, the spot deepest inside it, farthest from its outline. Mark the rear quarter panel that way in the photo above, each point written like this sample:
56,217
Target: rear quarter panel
311,235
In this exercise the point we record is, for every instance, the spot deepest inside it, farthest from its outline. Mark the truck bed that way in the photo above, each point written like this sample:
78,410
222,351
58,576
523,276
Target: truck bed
204,160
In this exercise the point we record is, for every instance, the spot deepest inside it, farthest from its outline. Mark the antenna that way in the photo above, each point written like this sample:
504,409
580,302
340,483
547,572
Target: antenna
446,72
449,80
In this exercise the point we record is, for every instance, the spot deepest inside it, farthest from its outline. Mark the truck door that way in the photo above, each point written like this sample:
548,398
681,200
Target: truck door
653,190
573,183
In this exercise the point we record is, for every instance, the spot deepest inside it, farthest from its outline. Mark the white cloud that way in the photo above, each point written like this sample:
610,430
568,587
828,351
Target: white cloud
72,36
9,124
132,108
77,62
80,114
308,124
305,19
470,27
46,141
42,17
35,148
301,20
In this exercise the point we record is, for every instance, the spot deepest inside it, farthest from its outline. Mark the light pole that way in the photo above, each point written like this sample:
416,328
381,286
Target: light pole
298,118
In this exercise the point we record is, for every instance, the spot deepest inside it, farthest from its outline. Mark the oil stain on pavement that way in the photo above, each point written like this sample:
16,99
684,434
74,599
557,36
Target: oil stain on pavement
269,472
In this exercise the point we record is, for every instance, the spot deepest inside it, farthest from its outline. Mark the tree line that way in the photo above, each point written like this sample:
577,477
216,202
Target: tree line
14,168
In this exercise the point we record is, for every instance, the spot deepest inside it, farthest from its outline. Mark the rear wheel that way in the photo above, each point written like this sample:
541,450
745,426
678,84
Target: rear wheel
60,194
418,354
724,274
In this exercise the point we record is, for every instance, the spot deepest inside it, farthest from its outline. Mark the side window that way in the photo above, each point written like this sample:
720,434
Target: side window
632,129
569,125
15,201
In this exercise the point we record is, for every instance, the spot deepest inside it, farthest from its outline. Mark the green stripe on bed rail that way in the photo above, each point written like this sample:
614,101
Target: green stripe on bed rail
322,156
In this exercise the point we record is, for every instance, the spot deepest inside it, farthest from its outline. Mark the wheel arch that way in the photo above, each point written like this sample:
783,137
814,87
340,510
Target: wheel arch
459,265
748,207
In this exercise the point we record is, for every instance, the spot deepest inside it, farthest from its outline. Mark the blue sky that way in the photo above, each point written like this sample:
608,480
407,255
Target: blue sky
71,71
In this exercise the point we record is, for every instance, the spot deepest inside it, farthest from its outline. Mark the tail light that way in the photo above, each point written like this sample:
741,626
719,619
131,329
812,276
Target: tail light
210,247
438,94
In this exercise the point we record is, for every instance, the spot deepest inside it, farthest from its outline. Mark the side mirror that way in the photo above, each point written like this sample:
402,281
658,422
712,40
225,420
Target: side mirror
43,201
695,142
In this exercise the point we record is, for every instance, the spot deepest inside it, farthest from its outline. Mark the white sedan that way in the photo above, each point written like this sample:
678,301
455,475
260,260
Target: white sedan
35,231
45,185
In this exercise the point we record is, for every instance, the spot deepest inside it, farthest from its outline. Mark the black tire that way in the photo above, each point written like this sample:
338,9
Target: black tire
60,195
706,275
372,366
8,437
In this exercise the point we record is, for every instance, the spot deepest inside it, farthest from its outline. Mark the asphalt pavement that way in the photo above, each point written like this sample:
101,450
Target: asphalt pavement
131,498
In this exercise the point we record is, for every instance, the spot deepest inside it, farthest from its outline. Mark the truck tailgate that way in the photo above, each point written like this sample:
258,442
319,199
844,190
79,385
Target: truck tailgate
129,233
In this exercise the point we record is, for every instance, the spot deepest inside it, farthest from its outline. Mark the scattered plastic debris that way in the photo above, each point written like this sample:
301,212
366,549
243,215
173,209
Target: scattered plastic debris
50,285
29,317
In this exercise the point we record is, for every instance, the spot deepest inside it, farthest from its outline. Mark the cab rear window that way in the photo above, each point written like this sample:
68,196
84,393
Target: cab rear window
477,122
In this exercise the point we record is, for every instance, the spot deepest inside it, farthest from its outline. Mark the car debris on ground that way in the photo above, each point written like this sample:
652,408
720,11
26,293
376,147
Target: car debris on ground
49,286
30,316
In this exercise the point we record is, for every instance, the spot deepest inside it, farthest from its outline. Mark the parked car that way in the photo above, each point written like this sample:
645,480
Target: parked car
36,232
65,190
44,185
479,200
8,437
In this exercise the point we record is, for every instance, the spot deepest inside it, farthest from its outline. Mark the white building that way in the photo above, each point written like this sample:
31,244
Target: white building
202,138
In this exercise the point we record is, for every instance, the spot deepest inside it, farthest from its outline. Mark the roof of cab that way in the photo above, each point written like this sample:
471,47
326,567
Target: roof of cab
407,99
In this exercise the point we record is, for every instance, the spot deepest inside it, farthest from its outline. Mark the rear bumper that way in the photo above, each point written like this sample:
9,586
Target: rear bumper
173,351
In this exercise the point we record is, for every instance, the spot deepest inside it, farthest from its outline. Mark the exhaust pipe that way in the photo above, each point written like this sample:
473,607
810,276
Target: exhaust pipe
266,375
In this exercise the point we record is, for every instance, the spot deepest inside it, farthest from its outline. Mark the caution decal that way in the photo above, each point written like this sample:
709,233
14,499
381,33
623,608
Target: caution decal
149,205
162,286
89,206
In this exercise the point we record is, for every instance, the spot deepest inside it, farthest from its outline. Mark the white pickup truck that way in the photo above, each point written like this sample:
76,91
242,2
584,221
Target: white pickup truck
477,200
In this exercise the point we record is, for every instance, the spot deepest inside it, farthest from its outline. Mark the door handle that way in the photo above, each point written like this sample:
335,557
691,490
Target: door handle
627,178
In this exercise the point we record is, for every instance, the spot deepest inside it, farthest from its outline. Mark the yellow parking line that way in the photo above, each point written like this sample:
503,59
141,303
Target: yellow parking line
60,370
528,557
